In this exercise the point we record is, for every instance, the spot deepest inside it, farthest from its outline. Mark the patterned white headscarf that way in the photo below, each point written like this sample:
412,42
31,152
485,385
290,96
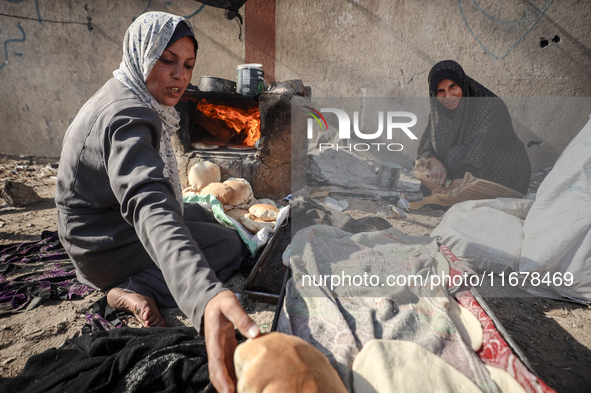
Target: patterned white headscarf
144,42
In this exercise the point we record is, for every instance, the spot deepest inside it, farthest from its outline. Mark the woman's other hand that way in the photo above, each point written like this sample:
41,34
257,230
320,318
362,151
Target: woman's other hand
445,190
437,171
222,313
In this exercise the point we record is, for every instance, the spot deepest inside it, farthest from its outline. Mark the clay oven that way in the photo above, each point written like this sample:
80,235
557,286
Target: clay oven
246,136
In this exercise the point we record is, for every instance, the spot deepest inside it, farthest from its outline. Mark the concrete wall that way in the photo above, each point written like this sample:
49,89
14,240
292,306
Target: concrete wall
386,48
344,48
48,70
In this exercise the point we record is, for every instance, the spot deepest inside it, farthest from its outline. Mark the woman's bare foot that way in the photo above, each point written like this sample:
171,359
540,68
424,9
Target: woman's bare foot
144,308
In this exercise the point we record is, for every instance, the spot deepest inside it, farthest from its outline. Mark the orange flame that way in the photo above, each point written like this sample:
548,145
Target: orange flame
248,121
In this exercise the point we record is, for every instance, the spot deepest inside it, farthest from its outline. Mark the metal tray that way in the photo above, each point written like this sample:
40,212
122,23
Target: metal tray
268,276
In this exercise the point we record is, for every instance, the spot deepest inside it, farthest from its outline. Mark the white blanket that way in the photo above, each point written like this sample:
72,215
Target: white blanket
549,238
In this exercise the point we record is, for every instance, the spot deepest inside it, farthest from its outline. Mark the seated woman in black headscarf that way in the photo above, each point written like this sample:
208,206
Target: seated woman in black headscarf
470,130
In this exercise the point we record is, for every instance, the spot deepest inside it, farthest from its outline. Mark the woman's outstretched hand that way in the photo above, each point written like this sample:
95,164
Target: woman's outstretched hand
223,313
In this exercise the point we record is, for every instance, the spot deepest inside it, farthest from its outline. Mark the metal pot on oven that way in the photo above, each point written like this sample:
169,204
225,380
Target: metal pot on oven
211,83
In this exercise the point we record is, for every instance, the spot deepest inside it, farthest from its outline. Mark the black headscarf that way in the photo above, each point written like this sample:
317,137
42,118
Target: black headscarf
449,69
477,136
182,30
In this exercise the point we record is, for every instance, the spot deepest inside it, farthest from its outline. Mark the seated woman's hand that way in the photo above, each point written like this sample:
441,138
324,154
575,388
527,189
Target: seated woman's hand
437,171
223,313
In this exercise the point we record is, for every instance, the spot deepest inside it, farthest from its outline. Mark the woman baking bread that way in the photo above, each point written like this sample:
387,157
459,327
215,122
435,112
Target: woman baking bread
120,212
466,134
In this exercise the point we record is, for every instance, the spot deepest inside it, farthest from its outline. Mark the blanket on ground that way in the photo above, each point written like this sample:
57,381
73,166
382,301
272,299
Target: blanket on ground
32,272
340,319
35,271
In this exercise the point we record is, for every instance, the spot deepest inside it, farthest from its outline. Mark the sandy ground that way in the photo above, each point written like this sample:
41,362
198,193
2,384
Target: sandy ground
554,336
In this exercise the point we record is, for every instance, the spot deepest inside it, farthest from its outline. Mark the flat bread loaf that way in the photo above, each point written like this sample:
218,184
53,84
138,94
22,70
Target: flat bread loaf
505,381
467,324
203,173
405,367
254,224
236,213
264,212
281,363
241,191
219,190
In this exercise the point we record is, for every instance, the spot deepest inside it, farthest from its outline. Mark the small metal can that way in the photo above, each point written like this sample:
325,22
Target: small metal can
389,174
250,79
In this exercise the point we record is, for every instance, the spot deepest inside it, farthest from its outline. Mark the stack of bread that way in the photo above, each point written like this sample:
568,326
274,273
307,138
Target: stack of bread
260,215
235,194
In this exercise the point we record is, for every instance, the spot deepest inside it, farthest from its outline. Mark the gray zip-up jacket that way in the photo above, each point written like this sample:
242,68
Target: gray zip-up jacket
117,212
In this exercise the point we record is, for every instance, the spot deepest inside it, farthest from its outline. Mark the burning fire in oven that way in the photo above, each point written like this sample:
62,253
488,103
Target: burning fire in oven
245,122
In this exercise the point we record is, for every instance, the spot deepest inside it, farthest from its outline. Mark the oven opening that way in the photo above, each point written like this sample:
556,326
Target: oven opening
225,125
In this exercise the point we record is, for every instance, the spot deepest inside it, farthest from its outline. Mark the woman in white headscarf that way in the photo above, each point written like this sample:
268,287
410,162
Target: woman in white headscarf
118,196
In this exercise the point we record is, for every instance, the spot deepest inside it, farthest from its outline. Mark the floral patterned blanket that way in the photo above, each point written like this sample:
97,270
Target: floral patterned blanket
347,289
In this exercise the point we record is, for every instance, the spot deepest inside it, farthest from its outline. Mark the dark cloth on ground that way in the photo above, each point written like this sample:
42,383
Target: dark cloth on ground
100,317
477,136
119,360
35,271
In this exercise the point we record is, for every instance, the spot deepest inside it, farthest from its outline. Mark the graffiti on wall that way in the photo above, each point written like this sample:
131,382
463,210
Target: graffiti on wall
9,41
500,26
13,42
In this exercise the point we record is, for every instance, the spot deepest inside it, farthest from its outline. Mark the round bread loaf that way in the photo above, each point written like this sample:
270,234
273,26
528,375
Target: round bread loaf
219,190
254,224
189,192
203,173
281,363
264,212
236,213
241,191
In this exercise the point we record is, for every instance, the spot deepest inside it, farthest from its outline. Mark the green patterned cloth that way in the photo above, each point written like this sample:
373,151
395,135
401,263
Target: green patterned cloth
253,242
